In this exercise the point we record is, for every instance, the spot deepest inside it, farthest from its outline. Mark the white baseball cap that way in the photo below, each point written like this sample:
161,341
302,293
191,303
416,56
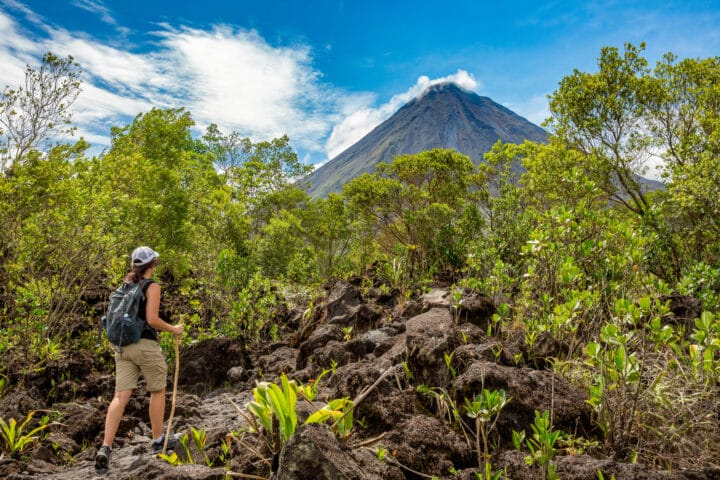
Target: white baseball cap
143,255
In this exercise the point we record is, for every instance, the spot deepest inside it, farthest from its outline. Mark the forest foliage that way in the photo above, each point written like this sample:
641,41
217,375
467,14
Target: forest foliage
565,237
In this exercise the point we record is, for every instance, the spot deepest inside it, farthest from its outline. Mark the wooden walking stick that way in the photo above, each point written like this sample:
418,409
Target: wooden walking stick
174,394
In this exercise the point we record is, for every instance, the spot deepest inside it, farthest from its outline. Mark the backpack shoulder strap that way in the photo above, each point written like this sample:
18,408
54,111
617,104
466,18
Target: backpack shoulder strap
145,284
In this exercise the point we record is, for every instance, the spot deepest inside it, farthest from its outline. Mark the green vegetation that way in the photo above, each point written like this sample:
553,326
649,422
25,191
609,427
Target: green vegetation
542,445
564,237
15,436
340,412
485,409
275,409
199,438
275,404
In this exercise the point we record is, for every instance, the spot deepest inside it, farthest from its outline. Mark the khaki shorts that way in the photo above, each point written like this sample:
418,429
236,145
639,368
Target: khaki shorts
144,357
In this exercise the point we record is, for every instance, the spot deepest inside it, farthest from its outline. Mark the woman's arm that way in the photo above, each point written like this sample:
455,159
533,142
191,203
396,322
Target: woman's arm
152,312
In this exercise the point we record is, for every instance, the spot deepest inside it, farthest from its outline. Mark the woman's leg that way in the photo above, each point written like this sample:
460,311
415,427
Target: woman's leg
157,412
114,415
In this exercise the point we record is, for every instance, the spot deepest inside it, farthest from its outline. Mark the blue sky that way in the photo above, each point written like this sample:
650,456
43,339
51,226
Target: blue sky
327,72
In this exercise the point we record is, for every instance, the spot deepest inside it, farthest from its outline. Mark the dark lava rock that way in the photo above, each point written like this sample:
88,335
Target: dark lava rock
530,390
199,363
318,340
476,309
315,453
428,445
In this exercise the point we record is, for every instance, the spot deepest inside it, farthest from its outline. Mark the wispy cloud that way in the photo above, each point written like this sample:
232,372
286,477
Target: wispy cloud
361,121
98,7
16,51
127,73
18,6
240,80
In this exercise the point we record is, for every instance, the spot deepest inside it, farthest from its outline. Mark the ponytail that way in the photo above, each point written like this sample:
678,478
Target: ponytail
137,272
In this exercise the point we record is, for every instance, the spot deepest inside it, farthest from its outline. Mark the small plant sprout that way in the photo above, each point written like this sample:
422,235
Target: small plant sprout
457,294
226,449
600,476
618,375
340,412
517,439
380,452
406,369
185,442
488,473
309,391
503,312
496,350
517,358
485,409
443,403
348,333
542,445
448,363
171,458
199,438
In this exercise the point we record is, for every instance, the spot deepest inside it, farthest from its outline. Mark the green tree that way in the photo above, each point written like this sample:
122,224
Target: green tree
262,179
39,110
503,204
278,244
419,204
685,118
603,114
263,175
684,109
329,230
625,114
228,151
150,169
266,180
55,243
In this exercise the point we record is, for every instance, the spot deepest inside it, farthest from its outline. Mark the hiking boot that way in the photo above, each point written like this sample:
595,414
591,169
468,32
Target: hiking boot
172,444
102,458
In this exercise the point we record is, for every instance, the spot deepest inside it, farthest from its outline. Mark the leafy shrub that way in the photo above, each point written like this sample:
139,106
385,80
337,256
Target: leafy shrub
16,439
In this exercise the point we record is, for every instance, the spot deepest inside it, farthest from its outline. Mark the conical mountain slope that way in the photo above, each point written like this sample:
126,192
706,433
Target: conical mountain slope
444,116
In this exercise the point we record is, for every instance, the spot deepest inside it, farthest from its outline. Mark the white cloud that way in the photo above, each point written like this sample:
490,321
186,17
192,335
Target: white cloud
96,6
241,82
461,78
96,105
130,74
16,51
29,14
360,122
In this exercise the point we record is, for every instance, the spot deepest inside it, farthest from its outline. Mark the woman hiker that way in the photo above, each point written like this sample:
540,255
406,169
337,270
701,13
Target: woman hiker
144,357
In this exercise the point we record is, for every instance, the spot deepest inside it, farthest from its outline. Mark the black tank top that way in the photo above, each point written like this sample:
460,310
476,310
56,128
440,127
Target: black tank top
148,332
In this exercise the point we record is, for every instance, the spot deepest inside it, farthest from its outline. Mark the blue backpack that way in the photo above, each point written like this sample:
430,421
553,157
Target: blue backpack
122,324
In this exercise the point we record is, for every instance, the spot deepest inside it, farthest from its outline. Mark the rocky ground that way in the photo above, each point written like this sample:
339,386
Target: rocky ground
403,344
